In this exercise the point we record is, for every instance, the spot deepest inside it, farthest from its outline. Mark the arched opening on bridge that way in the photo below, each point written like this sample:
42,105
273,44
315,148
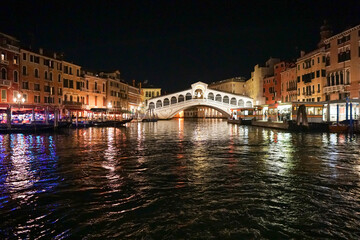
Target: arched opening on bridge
226,99
233,101
188,96
158,104
166,102
211,96
248,104
241,103
173,100
218,98
199,94
201,111
151,105
181,98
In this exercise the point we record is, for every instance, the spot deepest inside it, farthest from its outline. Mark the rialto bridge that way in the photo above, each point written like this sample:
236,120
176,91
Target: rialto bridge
167,106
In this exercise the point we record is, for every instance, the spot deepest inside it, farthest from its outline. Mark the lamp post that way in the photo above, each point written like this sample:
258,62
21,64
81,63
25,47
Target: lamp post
19,99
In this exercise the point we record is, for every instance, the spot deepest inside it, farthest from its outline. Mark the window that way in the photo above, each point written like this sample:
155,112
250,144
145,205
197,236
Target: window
2,56
66,83
318,59
318,88
59,100
323,72
318,73
77,72
3,73
16,76
66,69
36,87
319,99
46,75
24,72
47,89
16,59
50,76
70,70
71,83
36,59
25,85
78,85
31,58
36,73
59,91
3,95
59,78
24,56
36,99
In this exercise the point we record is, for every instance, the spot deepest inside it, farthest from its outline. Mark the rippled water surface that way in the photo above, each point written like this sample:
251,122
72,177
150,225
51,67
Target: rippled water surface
179,180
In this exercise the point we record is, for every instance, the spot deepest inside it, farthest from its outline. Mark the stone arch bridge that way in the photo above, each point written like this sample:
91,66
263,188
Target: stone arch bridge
167,106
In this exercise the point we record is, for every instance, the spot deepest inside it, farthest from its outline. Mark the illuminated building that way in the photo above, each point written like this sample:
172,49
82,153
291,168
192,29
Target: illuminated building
41,79
342,65
289,85
116,91
134,99
234,85
254,85
95,88
9,68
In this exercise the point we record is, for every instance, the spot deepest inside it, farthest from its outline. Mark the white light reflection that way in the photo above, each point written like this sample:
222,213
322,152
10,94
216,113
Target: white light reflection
20,176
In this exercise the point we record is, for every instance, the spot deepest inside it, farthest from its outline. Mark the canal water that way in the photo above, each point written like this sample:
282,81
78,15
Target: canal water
180,179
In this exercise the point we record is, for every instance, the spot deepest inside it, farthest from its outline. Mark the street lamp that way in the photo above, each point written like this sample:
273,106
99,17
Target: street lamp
19,99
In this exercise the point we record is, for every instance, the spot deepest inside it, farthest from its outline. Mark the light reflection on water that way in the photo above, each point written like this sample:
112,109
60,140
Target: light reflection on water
179,179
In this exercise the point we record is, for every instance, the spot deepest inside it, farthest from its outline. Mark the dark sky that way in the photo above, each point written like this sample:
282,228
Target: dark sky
175,43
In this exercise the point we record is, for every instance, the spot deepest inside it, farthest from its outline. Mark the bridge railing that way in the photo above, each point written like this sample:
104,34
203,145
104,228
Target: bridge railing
197,100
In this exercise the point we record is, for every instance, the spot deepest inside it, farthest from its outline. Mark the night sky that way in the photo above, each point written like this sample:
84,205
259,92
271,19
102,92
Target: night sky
173,44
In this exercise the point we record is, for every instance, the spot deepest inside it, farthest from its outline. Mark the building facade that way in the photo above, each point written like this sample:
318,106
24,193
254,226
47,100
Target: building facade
311,76
289,85
234,85
254,85
134,99
95,88
41,79
343,65
9,68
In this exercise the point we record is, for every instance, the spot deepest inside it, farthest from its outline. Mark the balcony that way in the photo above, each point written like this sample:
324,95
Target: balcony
5,62
291,89
332,89
72,103
4,82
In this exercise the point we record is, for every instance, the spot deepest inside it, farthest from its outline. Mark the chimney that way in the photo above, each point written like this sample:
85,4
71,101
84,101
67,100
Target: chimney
302,53
55,55
41,51
133,83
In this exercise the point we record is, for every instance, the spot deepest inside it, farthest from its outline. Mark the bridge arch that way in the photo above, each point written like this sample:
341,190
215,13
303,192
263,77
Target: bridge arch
226,114
151,105
188,96
226,99
181,98
166,102
248,104
158,104
241,103
211,96
218,97
233,101
173,100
